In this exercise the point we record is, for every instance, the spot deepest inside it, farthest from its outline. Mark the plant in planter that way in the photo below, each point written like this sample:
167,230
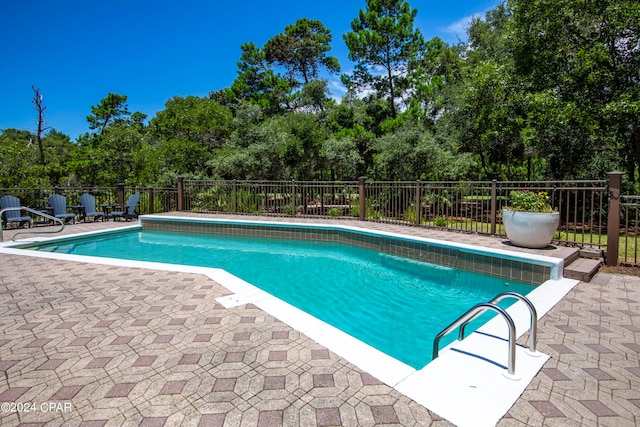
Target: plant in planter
530,221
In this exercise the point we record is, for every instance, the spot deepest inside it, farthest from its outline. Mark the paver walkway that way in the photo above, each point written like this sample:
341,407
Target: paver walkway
87,344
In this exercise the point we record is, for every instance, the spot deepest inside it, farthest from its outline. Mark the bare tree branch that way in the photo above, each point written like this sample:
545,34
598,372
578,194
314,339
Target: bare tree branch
37,100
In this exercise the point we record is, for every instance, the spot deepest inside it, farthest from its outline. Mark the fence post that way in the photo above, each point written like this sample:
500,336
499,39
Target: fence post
180,193
417,203
121,193
494,204
363,196
293,197
613,218
151,201
234,196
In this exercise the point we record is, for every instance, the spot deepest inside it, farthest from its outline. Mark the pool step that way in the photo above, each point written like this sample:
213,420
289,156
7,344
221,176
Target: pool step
567,253
583,269
583,264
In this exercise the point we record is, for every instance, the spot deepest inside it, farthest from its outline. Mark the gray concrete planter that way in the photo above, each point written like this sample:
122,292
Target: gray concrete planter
530,229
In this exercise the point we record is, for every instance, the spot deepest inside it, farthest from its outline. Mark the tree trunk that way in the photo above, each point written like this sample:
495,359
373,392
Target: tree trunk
37,99
392,93
635,141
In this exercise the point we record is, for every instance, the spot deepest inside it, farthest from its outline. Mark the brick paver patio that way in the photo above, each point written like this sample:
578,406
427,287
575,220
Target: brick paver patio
94,345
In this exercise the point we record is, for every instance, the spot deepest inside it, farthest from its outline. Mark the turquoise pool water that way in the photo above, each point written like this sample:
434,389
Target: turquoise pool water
393,304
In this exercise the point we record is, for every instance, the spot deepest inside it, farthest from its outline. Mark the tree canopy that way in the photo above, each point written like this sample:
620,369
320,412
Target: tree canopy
302,50
383,36
539,89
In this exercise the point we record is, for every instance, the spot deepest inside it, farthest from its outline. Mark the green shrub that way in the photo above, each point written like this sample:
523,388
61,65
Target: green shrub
410,214
334,212
440,221
371,213
529,201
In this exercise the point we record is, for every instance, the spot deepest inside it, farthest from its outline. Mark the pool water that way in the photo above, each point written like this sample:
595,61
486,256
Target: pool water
394,304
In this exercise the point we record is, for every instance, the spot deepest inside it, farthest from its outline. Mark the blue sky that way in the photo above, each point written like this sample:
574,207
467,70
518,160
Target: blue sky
78,51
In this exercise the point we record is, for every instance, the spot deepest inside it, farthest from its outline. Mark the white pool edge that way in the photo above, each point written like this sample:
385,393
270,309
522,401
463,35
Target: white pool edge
463,375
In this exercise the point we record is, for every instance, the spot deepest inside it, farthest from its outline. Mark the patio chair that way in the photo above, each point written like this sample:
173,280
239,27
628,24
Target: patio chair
88,203
58,204
13,215
127,211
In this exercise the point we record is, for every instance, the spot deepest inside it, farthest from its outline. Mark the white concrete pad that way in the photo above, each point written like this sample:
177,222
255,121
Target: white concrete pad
467,384
236,300
292,316
464,385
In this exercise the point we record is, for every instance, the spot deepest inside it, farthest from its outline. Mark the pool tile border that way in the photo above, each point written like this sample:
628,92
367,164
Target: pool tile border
507,268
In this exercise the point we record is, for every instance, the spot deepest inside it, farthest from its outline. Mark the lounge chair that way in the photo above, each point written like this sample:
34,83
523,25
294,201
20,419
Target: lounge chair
13,215
59,205
88,203
127,211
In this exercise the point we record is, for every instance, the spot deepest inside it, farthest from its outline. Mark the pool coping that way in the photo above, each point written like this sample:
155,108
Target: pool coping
470,371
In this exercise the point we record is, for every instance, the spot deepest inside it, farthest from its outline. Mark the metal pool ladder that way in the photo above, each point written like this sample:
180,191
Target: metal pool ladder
33,211
480,308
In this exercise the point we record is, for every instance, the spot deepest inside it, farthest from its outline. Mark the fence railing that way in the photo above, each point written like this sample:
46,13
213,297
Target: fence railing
630,229
271,197
582,206
462,206
152,200
591,213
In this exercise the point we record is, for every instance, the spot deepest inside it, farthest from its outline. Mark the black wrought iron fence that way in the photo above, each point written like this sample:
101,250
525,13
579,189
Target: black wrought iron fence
328,199
629,230
593,213
37,198
152,200
271,197
462,206
582,206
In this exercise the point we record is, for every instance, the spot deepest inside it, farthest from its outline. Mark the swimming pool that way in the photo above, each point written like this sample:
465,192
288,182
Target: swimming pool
395,304
469,371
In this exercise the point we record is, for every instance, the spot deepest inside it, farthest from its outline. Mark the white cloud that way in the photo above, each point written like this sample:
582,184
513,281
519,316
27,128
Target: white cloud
459,28
337,89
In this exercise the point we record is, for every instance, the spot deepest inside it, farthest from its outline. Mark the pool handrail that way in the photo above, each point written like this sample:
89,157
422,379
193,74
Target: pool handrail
473,312
533,326
36,212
